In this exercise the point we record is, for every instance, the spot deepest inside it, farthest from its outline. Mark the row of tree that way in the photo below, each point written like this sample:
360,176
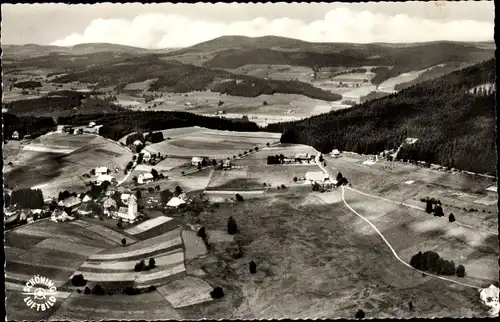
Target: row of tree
26,198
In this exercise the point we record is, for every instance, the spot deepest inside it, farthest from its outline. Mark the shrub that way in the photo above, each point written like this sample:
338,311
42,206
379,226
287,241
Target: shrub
428,207
124,241
119,225
217,293
438,211
360,314
131,290
267,144
202,233
79,291
239,197
232,227
87,290
451,218
283,186
253,267
78,280
295,179
139,266
410,306
151,288
460,271
264,103
98,290
152,263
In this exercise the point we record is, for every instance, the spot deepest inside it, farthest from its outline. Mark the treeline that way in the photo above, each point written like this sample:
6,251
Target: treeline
26,198
454,128
27,125
66,103
28,84
117,125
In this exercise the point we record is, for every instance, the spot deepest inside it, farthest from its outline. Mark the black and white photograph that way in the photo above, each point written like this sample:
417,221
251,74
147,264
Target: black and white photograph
180,161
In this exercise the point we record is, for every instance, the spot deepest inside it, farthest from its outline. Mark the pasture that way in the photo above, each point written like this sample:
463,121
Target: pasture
457,191
212,143
314,261
56,162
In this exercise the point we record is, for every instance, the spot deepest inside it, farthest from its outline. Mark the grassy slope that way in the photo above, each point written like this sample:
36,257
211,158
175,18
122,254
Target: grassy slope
454,128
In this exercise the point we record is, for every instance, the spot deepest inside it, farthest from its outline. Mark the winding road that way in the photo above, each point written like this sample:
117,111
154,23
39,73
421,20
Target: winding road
320,164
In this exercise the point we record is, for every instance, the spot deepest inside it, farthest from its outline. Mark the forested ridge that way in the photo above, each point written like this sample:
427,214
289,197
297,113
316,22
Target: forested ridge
455,126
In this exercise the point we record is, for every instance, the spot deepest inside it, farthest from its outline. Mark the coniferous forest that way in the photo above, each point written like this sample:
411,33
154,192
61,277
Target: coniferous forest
452,118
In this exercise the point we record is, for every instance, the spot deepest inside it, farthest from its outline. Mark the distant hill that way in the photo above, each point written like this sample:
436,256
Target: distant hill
32,50
454,127
172,76
402,58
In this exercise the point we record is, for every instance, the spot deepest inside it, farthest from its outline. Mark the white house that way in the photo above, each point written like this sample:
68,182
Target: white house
146,155
137,143
60,215
101,170
196,161
15,135
335,153
145,178
91,124
226,164
104,177
86,198
316,176
124,197
175,202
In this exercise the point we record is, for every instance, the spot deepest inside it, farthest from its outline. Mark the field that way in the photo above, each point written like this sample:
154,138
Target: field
212,143
314,261
56,162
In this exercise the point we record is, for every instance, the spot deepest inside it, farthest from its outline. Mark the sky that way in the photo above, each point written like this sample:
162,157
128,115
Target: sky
181,25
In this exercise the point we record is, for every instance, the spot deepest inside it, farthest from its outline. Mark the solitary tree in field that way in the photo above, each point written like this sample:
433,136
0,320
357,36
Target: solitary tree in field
438,211
410,306
232,227
124,241
152,263
178,191
253,267
451,218
360,314
460,271
339,176
267,144
428,207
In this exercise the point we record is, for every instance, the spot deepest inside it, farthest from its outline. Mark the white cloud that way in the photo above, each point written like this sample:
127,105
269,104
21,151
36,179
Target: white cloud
340,25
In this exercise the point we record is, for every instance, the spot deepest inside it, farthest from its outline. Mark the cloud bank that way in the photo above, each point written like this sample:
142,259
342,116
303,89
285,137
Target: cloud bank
339,25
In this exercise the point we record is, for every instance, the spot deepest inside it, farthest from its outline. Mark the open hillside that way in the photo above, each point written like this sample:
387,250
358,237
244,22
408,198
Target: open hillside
454,127
172,76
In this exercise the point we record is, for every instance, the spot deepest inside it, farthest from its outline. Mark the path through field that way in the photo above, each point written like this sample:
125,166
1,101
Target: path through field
392,249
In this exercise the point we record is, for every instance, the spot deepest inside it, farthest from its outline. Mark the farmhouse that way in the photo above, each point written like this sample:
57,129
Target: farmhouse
86,198
60,215
145,178
303,157
137,143
335,153
226,164
15,135
175,202
316,176
104,177
196,161
109,205
71,202
91,124
101,170
124,197
146,156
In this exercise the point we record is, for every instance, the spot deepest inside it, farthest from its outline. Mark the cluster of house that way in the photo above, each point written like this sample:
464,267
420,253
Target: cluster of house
85,206
103,174
319,177
201,161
